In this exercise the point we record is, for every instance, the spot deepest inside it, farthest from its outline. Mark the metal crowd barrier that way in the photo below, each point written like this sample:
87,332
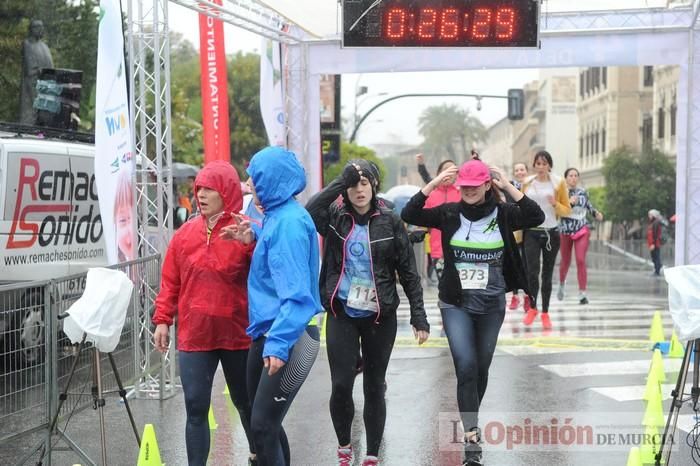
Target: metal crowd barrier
36,356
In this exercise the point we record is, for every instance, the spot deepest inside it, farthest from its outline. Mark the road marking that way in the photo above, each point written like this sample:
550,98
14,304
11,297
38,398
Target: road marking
587,369
636,392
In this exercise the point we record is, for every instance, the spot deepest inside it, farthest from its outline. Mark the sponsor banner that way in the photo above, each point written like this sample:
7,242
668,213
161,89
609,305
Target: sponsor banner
212,61
557,431
272,92
114,162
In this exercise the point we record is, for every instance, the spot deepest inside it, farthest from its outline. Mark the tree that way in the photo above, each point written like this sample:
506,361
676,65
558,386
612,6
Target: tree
447,131
636,183
350,151
247,128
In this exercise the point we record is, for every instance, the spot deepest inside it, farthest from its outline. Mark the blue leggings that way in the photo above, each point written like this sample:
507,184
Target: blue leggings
197,369
472,338
272,395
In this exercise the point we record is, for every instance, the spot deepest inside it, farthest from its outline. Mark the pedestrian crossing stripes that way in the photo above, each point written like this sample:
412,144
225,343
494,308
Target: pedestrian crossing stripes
621,318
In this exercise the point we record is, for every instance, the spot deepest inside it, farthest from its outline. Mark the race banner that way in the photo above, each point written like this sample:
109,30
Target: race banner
271,92
114,162
212,62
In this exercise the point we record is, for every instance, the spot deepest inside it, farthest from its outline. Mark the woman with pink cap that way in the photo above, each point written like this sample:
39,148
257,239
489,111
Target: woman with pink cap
482,263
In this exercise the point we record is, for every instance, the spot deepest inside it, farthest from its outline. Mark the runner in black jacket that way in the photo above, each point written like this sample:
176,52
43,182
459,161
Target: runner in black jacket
366,246
482,263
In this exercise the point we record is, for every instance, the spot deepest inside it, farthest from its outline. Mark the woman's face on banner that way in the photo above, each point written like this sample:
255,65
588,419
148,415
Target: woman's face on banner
125,232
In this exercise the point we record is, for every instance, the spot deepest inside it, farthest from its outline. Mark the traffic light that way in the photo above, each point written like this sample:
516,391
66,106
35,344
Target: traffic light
516,104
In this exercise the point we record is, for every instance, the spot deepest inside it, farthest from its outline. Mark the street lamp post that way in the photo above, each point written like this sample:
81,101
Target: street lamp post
478,97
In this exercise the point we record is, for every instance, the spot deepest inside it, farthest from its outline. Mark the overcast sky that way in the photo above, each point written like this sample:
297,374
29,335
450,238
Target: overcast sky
397,120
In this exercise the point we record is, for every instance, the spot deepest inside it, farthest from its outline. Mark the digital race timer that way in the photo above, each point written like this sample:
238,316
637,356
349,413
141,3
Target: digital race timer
440,23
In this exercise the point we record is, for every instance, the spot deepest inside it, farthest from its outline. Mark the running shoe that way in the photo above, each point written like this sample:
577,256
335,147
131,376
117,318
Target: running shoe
560,291
472,454
546,323
371,461
514,302
345,456
583,300
530,316
526,303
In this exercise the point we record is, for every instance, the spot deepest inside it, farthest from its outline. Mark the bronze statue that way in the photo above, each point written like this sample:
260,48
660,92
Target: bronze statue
35,56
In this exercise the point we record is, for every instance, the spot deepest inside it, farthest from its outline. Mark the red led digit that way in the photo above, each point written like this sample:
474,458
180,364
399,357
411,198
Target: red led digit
449,24
482,23
505,21
396,23
426,23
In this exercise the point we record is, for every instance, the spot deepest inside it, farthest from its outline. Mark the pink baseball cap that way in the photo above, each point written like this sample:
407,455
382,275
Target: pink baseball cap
473,173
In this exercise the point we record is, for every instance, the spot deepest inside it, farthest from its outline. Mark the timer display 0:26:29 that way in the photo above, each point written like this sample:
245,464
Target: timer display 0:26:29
494,23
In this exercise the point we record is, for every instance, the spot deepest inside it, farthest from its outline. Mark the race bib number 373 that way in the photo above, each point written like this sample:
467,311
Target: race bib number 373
473,276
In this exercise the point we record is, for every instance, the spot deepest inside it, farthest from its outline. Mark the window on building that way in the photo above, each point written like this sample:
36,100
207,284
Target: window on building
596,139
603,135
588,145
661,126
648,76
596,79
589,81
647,130
605,76
580,149
672,116
581,84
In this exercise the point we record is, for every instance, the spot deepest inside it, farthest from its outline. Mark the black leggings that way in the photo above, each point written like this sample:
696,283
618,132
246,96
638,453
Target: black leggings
546,243
344,336
197,369
271,396
472,338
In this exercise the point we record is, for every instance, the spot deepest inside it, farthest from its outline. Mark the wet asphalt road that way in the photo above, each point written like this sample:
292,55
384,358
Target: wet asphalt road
534,374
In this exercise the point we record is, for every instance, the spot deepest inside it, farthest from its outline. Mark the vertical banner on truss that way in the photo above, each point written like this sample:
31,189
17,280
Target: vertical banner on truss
114,162
271,92
212,60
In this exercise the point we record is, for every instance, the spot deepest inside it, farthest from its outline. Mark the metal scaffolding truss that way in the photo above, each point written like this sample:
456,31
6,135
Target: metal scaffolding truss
247,15
149,65
149,82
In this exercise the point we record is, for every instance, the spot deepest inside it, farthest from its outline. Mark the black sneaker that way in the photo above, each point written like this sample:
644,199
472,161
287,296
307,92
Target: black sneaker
583,300
472,454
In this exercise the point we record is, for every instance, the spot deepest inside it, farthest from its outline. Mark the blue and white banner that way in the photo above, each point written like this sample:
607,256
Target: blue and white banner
272,93
114,159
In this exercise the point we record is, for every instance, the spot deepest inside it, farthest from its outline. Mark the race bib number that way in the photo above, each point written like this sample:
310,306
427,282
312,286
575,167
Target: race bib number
362,295
473,276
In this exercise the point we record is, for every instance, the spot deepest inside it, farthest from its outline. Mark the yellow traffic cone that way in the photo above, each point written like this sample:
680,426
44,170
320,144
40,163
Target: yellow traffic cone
149,455
677,350
656,331
323,327
654,414
212,422
657,366
653,387
650,445
634,458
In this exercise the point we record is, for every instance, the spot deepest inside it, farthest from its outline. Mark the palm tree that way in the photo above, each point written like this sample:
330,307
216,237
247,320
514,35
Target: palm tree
449,128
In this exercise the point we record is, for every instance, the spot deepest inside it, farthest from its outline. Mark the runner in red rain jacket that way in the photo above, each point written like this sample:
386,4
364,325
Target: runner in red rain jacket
204,283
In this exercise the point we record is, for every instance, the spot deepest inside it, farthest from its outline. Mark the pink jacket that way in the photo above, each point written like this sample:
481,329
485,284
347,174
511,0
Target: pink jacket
441,195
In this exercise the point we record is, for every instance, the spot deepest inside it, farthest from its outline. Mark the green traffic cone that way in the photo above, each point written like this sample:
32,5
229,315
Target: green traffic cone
654,414
657,366
634,458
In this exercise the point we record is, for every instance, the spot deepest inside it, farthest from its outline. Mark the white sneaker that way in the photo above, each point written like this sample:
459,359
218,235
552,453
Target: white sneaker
560,291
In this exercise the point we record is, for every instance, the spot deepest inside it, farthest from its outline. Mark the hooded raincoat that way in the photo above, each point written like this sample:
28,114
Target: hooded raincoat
283,282
204,276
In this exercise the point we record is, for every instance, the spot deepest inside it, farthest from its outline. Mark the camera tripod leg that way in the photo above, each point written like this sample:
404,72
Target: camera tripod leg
100,404
122,393
677,401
